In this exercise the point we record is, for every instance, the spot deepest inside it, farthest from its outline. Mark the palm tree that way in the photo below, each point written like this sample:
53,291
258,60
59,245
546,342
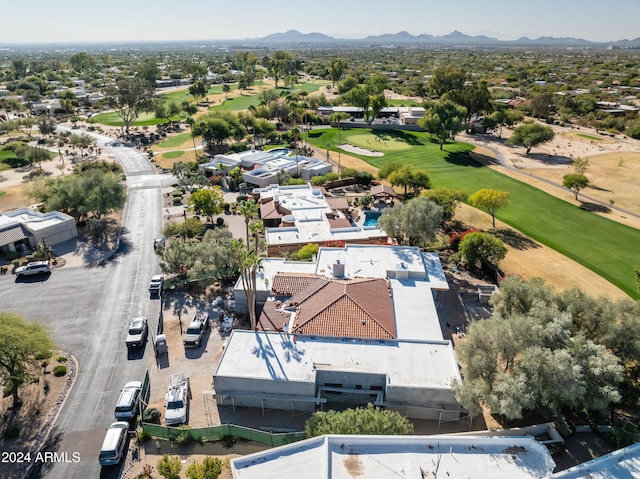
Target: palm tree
190,121
249,263
338,117
248,209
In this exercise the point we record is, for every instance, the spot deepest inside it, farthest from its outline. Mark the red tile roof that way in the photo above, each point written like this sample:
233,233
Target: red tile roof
269,211
356,308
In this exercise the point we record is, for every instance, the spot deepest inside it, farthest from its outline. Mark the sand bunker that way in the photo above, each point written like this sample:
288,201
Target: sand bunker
360,151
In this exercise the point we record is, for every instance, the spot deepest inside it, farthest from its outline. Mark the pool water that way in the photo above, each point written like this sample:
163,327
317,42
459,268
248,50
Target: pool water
371,218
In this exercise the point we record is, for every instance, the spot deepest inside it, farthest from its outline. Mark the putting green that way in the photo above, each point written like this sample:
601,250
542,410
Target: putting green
376,140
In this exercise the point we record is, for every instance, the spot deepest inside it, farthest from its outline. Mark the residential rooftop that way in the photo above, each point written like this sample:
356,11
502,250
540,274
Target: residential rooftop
382,457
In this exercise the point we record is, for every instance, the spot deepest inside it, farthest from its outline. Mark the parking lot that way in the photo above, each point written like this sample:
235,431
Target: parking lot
197,363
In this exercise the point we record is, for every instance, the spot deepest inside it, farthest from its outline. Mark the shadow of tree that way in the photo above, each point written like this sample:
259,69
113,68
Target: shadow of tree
594,207
514,239
550,159
598,188
52,444
463,158
398,135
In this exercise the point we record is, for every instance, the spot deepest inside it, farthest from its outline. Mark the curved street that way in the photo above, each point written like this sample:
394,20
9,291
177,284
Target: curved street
89,309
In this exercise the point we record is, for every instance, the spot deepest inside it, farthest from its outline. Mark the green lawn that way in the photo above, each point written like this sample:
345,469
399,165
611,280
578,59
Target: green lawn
403,103
172,155
175,141
237,103
589,137
606,247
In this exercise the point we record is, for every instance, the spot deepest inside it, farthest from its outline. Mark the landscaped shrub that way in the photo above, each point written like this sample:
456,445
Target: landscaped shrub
183,437
43,355
59,370
318,180
625,433
61,359
151,415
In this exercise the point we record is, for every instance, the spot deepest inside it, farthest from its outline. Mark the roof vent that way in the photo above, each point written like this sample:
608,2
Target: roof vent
338,270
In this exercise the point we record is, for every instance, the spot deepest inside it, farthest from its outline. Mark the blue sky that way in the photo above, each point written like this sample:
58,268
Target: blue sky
50,21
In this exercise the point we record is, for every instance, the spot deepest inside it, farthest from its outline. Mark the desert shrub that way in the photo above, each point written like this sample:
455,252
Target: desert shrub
43,355
151,415
59,370
625,433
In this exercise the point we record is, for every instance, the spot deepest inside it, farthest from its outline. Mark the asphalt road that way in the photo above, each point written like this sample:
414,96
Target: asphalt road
88,309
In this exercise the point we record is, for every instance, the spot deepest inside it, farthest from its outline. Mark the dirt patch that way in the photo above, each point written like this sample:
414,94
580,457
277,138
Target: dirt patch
42,400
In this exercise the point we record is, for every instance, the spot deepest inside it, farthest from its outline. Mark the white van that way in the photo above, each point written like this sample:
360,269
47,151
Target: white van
114,442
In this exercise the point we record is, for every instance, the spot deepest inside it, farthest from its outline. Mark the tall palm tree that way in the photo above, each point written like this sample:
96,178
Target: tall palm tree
248,209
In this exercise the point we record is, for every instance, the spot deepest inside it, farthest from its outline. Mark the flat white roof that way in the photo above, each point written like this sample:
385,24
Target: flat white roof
309,207
275,356
375,261
35,221
623,463
382,457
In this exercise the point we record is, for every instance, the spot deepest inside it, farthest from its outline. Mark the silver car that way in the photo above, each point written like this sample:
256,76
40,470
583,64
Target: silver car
137,332
35,267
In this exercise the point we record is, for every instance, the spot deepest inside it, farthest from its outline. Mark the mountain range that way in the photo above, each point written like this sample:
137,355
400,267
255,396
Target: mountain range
455,38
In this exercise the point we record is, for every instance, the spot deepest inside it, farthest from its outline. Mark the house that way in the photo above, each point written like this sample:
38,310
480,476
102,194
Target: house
382,457
263,168
301,214
26,228
358,325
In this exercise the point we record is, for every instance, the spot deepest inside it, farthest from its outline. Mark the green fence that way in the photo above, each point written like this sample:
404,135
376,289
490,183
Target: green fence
218,432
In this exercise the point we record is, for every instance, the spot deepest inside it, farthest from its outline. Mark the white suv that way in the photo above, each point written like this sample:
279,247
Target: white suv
35,267
127,405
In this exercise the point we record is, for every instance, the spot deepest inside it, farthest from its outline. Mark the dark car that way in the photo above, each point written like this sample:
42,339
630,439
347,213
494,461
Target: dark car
195,331
137,333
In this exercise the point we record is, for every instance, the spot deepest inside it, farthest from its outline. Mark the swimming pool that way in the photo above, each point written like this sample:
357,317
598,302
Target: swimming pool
280,151
371,218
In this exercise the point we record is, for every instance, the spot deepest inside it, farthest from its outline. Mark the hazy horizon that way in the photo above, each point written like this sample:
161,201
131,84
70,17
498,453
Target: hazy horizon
119,21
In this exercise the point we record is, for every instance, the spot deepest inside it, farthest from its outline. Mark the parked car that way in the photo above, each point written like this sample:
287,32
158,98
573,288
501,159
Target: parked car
35,267
156,284
178,396
137,332
128,402
195,331
115,439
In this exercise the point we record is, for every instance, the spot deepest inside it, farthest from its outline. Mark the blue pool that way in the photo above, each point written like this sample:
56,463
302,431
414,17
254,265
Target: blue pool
371,218
280,151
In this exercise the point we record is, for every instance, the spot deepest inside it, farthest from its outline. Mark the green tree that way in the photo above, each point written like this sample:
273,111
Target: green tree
306,252
22,342
214,131
369,420
409,177
490,200
226,89
479,248
412,223
531,134
502,117
541,104
178,256
446,79
149,72
208,202
198,90
476,98
336,68
281,65
575,182
448,198
189,228
129,99
215,256
443,119
82,62
530,356
169,467
580,165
